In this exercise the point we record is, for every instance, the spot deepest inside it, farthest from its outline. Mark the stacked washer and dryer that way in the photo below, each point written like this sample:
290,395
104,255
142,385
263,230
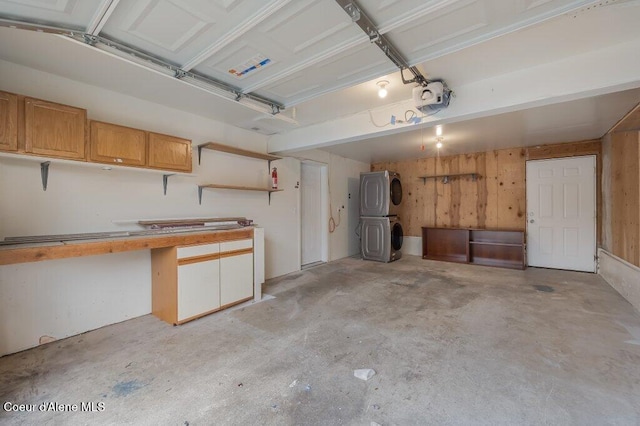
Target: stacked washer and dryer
380,229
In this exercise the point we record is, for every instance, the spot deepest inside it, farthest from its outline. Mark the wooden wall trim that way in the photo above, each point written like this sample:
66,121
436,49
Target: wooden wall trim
631,121
570,149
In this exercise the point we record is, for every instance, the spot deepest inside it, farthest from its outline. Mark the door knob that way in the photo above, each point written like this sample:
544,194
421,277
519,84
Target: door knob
531,221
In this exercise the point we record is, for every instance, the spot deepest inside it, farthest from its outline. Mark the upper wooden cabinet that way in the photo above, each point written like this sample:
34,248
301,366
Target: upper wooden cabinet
113,144
8,121
169,152
54,130
47,129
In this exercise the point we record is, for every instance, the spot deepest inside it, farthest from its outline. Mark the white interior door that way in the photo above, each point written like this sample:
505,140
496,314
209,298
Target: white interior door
561,213
311,213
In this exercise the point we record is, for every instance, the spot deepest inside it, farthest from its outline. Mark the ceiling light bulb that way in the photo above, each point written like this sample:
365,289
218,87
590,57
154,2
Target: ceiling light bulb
382,91
439,145
438,130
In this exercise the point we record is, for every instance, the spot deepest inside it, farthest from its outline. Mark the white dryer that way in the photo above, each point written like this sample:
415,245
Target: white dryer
380,193
381,238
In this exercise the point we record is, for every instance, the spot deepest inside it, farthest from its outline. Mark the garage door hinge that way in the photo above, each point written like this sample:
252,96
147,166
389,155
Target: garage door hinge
91,40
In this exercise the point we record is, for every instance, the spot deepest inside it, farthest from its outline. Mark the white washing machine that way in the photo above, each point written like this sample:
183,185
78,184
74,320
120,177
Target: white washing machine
381,238
380,193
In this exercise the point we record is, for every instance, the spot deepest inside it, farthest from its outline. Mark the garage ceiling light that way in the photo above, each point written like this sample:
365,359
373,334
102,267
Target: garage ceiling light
382,91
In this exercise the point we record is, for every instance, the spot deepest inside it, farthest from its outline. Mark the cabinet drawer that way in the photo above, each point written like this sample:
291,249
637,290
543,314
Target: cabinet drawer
236,245
199,250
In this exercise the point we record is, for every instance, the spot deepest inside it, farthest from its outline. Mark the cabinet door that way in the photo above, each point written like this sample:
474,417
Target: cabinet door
236,271
198,288
169,152
114,144
8,121
54,130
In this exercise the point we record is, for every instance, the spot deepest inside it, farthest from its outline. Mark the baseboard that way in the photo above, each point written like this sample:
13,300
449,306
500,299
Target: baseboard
621,275
412,246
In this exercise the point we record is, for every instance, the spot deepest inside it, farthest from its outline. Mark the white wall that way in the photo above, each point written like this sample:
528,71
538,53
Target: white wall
65,297
621,275
340,170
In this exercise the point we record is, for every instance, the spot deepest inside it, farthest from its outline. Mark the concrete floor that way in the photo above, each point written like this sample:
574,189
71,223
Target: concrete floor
450,343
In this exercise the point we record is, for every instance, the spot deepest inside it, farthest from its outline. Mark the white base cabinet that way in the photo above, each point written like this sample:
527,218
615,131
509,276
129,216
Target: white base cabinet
198,289
193,281
236,272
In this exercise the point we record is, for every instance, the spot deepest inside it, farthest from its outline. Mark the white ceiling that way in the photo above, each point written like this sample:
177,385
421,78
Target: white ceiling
582,119
323,68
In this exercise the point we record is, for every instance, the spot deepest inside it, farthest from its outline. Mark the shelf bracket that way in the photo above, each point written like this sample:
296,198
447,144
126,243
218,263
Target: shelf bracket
200,194
474,177
44,174
445,179
199,153
165,182
269,198
424,180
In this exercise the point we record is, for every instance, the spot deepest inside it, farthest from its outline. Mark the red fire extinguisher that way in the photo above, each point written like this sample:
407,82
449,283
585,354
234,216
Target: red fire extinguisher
274,178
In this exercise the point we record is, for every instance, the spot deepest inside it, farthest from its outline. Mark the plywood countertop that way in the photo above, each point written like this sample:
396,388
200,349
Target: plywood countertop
24,253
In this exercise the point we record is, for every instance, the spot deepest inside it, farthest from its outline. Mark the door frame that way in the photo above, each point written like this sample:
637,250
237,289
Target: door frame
324,205
353,216
596,177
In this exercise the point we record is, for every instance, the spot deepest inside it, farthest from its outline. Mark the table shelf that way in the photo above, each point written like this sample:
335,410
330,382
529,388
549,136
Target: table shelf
489,247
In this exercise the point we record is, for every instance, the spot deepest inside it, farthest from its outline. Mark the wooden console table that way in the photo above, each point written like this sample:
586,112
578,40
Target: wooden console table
504,248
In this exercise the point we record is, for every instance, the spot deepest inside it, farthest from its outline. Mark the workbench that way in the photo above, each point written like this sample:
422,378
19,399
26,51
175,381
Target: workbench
194,273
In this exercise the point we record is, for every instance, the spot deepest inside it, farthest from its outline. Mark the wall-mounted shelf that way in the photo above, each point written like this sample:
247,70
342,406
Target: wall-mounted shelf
446,178
49,163
236,188
214,146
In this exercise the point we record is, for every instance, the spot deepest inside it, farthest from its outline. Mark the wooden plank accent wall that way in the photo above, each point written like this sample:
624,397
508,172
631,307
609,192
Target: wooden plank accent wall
511,189
496,200
624,187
